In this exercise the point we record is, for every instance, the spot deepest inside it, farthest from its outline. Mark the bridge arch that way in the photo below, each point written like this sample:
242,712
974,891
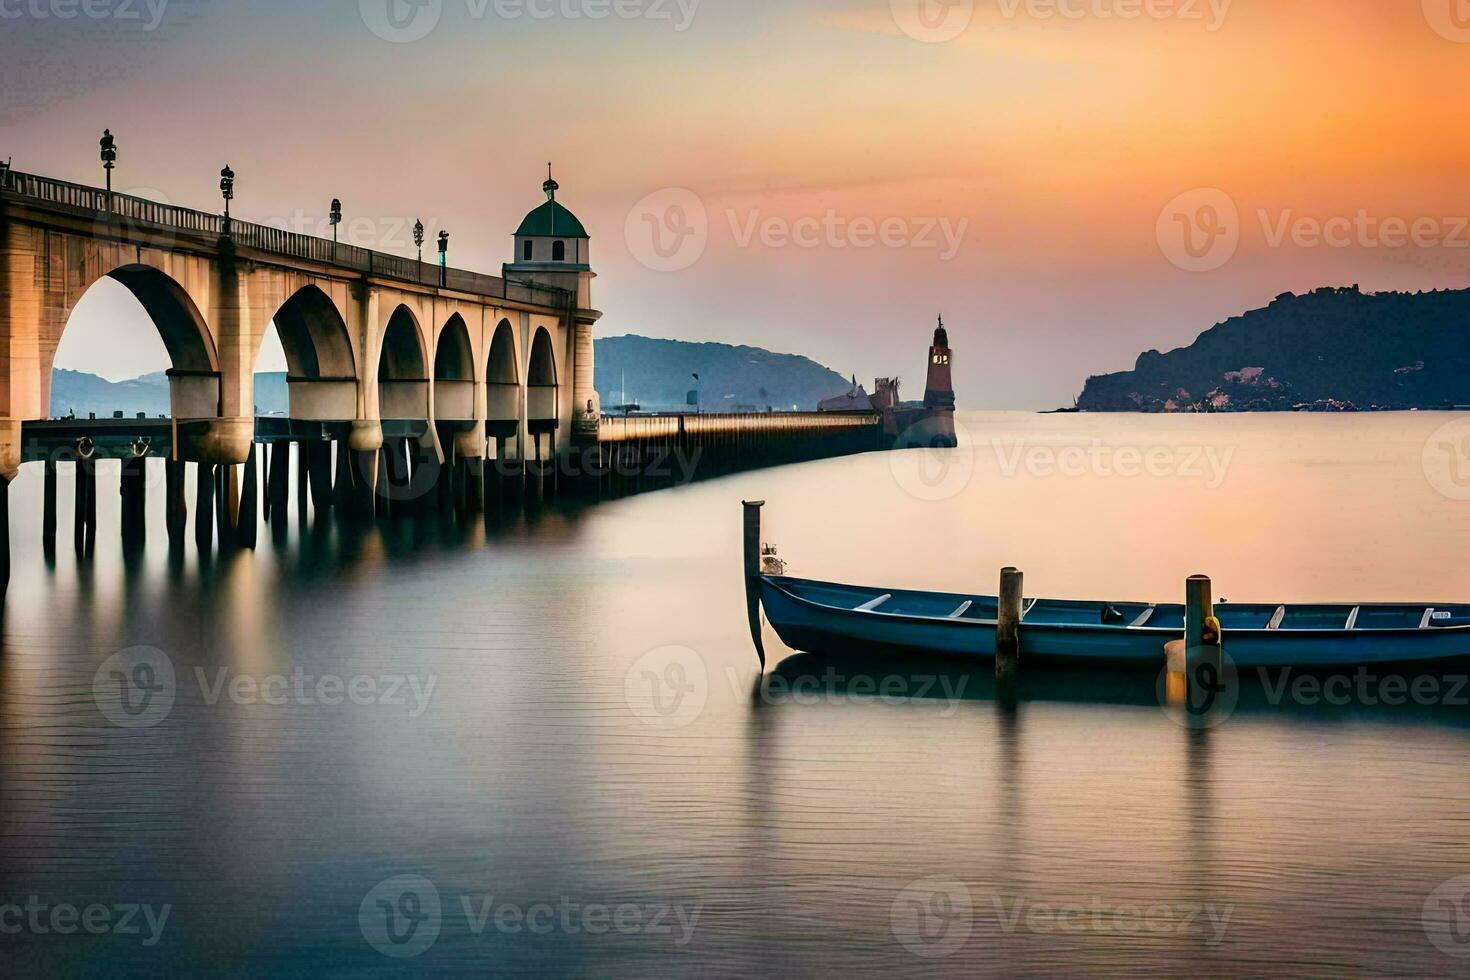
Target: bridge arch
454,372
503,381
321,369
542,407
403,377
193,357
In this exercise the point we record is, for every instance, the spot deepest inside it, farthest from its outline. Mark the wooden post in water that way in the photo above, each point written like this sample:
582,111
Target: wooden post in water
4,534
175,506
1008,627
320,463
753,574
342,486
245,527
204,506
85,511
48,508
1202,653
130,494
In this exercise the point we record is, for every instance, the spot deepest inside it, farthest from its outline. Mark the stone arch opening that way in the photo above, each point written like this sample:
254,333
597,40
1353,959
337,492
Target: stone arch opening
403,379
321,372
454,372
503,383
541,384
193,387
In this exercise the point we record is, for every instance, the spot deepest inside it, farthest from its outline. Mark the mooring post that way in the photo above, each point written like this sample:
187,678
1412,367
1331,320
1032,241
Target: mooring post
753,575
1008,627
204,506
1202,652
48,507
245,528
176,506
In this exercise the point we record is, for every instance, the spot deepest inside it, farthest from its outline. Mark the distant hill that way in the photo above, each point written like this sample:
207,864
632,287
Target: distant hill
659,373
1331,349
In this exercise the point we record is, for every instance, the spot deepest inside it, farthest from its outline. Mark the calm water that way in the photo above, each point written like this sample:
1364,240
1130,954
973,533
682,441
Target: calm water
557,731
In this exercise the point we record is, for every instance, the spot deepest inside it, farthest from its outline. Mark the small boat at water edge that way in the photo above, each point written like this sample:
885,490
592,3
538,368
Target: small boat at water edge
831,619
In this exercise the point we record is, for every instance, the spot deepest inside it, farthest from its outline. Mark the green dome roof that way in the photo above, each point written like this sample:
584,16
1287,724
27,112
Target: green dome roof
551,220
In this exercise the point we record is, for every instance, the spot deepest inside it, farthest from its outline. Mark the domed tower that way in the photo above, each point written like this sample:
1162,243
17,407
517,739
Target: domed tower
552,248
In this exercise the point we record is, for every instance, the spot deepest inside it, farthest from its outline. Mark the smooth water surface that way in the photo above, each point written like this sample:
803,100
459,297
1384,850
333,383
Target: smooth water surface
558,755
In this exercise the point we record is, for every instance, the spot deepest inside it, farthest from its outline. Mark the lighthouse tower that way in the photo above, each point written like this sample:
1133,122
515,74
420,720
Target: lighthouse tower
939,392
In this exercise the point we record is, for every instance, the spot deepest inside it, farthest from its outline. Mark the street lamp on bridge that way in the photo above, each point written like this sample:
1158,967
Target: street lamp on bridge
418,239
109,160
336,218
227,189
443,259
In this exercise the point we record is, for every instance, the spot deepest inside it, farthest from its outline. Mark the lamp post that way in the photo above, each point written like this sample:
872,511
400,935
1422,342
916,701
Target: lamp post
227,188
109,160
443,259
336,218
418,239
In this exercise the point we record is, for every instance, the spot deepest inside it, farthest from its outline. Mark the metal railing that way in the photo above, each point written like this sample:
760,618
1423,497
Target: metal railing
99,204
617,428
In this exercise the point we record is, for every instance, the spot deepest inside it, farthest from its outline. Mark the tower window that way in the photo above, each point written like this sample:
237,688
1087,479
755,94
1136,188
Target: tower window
527,251
558,251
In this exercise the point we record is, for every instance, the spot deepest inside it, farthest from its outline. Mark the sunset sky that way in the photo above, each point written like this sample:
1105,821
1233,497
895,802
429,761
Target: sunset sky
1049,145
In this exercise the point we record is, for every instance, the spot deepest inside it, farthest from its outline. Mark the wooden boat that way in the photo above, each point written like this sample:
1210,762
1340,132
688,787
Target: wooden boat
831,619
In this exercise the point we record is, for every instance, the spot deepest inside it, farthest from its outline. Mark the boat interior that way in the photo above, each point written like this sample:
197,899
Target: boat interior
1123,615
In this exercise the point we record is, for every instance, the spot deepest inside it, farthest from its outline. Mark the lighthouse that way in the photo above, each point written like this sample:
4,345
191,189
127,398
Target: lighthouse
939,392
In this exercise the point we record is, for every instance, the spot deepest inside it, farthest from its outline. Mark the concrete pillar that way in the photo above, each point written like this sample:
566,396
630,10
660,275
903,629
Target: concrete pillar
4,534
319,466
278,492
176,506
133,502
303,479
85,511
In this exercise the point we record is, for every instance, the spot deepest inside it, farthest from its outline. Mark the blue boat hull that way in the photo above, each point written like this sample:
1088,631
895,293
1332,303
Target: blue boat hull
803,623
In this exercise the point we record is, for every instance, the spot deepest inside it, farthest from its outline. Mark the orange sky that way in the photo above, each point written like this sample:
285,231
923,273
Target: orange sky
1053,142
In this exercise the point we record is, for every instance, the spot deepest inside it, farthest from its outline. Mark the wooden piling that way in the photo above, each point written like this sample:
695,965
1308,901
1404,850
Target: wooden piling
245,527
753,575
1202,653
176,505
303,479
278,494
131,497
1008,627
343,485
84,517
320,467
4,534
204,506
48,507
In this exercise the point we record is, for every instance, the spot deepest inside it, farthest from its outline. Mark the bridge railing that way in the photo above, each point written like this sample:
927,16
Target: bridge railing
628,428
95,201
